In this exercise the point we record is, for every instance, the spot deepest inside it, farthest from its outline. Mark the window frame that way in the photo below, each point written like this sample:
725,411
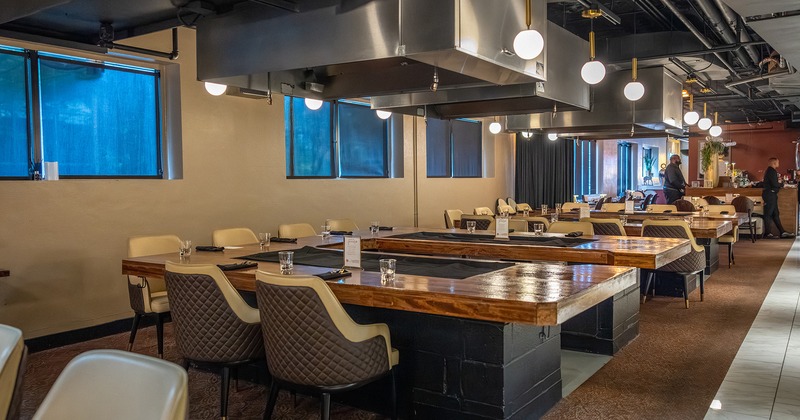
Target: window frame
451,156
333,142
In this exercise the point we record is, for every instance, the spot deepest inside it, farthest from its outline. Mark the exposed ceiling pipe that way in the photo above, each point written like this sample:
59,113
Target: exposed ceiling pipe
654,13
688,70
737,24
723,29
705,41
757,78
693,53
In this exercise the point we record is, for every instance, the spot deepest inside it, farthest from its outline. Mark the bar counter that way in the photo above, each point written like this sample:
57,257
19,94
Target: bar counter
787,201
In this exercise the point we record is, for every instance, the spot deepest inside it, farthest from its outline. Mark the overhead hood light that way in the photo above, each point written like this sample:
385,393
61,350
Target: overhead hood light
634,90
705,122
526,134
215,89
528,44
552,136
691,117
384,115
313,104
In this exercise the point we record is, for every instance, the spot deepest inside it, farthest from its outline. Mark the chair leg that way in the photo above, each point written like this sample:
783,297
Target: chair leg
160,334
326,406
394,396
273,397
702,285
647,286
733,256
686,290
185,364
235,374
225,381
136,317
730,255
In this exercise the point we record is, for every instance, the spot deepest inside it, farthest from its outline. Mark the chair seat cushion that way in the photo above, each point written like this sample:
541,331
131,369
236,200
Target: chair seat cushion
395,357
159,302
727,239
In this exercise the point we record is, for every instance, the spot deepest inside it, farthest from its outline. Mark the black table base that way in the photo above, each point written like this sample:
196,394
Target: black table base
605,328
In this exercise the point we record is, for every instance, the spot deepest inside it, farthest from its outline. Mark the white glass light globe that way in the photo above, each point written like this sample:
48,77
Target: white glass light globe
552,136
528,44
495,127
691,118
704,123
383,114
634,91
593,72
215,89
715,131
313,104
527,134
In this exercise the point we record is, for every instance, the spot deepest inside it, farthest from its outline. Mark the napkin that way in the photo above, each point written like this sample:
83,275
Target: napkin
385,227
335,274
237,266
285,240
209,248
341,232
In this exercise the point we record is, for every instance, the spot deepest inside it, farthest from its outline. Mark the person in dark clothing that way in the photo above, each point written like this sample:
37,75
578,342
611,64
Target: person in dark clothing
771,187
674,183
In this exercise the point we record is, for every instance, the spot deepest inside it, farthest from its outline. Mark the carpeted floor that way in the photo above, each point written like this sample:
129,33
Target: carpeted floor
672,370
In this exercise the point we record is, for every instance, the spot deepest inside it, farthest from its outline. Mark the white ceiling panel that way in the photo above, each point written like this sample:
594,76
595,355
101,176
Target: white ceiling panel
762,7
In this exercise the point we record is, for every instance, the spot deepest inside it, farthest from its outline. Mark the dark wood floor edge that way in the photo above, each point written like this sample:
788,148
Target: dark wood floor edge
84,334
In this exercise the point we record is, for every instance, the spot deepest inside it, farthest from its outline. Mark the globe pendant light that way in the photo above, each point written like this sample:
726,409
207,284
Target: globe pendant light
528,44
313,104
215,89
715,129
552,136
593,71
384,115
527,134
634,90
705,122
691,117
495,127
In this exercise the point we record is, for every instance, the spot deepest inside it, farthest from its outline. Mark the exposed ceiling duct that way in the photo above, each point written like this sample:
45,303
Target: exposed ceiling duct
354,49
658,113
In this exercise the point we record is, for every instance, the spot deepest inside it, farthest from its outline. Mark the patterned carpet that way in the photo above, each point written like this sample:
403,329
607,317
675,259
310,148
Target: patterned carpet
672,370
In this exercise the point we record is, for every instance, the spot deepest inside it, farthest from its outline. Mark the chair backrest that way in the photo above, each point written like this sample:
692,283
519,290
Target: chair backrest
139,246
345,225
518,225
662,208
523,207
535,219
637,194
296,230
481,222
450,216
504,207
115,384
571,206
743,204
701,202
233,237
482,211
647,200
606,226
683,205
212,321
309,337
712,200
671,228
567,227
600,202
722,209
12,351
613,207
511,202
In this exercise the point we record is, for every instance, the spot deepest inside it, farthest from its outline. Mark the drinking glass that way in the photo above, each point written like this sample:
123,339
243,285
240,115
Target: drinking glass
538,228
544,208
326,231
374,227
688,220
558,208
286,259
263,240
624,219
388,266
185,248
471,226
553,217
526,213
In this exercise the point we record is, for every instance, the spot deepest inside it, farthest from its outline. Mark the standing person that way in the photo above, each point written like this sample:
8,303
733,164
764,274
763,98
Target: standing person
771,187
674,183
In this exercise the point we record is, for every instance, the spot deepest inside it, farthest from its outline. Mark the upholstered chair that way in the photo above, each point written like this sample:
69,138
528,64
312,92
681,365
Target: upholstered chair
148,295
573,206
481,222
518,225
731,237
213,324
521,207
511,202
342,225
296,230
683,205
13,355
482,211
701,202
566,227
313,344
535,219
611,227
611,207
712,200
503,207
450,216
233,237
647,200
754,225
113,384
692,263
662,208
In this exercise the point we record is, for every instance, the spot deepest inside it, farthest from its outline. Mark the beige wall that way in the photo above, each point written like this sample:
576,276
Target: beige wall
63,240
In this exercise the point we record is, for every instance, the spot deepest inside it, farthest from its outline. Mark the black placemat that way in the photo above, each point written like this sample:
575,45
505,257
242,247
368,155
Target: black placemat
431,267
479,238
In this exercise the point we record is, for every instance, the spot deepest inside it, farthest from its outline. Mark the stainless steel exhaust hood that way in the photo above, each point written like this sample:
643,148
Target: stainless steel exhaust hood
564,88
353,48
657,114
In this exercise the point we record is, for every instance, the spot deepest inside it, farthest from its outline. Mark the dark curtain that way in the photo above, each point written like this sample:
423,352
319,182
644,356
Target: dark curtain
545,170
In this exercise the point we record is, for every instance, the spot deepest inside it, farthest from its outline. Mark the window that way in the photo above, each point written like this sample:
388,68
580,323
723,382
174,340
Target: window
97,119
454,148
362,149
585,167
624,168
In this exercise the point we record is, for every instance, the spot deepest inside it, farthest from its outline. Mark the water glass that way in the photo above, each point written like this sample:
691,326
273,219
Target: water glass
286,259
688,220
326,231
374,227
544,208
558,208
553,217
471,226
538,228
388,266
526,213
263,240
623,219
185,248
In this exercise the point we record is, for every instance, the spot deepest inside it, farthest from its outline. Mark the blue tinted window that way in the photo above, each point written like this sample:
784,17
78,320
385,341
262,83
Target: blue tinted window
363,142
14,145
99,121
309,141
437,141
467,149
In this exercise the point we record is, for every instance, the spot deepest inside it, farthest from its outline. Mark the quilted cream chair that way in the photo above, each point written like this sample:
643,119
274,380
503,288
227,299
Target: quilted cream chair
233,237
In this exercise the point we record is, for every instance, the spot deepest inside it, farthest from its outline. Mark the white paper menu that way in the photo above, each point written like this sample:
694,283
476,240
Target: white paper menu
584,212
501,228
352,251
629,206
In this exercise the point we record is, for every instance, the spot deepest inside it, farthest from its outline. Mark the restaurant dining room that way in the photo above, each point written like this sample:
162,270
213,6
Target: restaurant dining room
460,209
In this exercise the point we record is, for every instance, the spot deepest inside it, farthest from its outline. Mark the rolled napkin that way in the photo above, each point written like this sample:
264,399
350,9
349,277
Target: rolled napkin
237,266
335,274
285,240
209,248
341,232
385,227
667,211
574,234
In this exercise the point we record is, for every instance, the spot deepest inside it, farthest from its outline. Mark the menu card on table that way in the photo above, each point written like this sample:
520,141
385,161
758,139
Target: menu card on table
501,228
352,251
629,206
584,212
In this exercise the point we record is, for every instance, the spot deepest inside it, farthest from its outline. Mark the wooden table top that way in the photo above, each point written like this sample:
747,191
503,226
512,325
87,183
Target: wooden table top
735,219
703,228
4,272
606,250
540,294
